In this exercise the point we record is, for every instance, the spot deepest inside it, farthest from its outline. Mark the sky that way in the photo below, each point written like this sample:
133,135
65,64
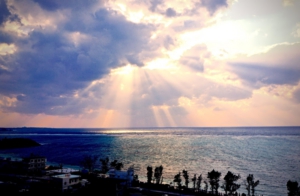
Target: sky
149,63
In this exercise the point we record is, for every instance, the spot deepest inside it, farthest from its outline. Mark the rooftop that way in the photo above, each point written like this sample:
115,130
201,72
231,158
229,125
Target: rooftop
66,176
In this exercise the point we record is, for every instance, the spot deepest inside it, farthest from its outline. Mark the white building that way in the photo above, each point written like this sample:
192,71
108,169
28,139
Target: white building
61,171
66,181
123,175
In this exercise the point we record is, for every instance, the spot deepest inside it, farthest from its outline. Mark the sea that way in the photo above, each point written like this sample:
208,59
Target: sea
271,154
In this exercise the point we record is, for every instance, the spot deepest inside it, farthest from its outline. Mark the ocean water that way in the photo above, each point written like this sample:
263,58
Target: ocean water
271,154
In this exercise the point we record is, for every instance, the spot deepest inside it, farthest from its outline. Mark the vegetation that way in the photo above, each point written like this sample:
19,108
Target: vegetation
104,165
7,143
186,177
117,165
214,178
194,179
206,186
199,179
149,174
158,174
251,184
229,185
293,189
177,179
89,162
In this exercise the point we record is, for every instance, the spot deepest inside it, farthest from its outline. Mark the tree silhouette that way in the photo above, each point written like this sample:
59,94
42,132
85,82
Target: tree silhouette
158,174
206,186
194,179
214,178
185,175
117,165
177,179
104,165
251,184
149,174
293,188
88,162
199,179
229,184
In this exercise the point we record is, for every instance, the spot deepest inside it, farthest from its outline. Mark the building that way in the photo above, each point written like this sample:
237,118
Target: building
127,176
66,181
61,171
34,162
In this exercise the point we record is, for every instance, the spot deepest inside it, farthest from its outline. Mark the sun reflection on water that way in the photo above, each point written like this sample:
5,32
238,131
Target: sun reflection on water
126,131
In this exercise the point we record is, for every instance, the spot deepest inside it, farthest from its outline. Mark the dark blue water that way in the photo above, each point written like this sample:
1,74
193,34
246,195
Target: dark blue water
272,154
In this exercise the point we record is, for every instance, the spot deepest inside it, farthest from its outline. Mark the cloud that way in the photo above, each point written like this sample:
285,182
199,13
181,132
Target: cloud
4,12
279,65
260,74
178,7
296,32
154,4
214,5
228,93
51,63
170,12
296,95
194,57
75,5
288,2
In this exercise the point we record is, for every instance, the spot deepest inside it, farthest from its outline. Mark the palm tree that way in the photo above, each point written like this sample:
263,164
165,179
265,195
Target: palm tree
251,184
199,179
158,173
185,174
194,179
206,186
88,162
104,165
149,174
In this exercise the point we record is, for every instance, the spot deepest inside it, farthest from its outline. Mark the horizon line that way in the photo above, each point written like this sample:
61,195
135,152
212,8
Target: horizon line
36,127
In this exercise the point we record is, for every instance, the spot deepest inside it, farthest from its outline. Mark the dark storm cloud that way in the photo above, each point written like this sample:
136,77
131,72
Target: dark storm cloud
48,67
